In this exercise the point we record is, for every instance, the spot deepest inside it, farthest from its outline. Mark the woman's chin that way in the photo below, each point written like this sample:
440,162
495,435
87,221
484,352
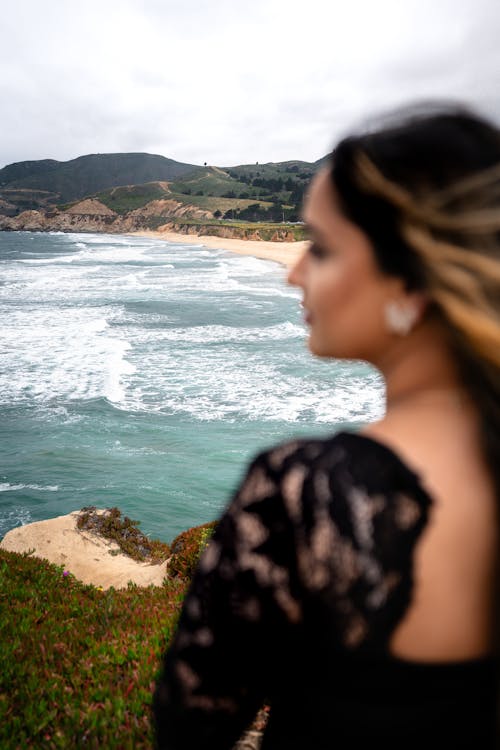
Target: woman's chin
315,347
323,349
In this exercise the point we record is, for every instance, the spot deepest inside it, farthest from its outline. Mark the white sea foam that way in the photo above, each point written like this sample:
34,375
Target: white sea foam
9,519
101,263
212,334
211,253
101,249
8,487
117,369
71,353
70,333
102,239
184,246
228,383
245,265
104,254
94,326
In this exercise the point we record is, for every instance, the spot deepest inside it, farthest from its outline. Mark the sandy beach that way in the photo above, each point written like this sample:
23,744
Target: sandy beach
285,253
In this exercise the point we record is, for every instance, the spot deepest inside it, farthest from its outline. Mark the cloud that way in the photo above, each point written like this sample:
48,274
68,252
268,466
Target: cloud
227,82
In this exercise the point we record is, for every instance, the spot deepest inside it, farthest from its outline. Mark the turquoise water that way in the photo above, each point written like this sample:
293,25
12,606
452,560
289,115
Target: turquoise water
145,374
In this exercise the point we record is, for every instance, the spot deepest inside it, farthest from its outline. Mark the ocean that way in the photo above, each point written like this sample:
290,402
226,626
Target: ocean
145,375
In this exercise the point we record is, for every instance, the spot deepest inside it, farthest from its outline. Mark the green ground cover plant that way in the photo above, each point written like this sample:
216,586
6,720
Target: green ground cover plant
78,664
186,550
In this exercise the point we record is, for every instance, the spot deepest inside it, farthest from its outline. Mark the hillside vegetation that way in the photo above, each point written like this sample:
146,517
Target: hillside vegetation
87,175
145,191
132,197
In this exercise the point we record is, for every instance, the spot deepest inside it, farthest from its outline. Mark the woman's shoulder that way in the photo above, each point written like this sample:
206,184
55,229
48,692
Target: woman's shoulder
354,511
348,459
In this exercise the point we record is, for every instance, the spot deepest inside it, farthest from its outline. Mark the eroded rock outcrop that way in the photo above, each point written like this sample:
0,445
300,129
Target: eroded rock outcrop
90,215
90,207
171,208
60,221
239,233
88,556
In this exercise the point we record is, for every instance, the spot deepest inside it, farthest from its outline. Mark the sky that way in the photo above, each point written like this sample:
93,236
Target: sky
231,82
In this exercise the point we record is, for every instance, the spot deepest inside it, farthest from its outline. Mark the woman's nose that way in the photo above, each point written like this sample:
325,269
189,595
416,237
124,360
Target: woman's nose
295,274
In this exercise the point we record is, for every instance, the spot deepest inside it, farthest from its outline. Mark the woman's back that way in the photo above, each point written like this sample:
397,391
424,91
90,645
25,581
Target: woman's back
436,683
309,573
452,613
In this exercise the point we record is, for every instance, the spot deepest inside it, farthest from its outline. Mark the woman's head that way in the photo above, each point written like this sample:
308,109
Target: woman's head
345,289
421,195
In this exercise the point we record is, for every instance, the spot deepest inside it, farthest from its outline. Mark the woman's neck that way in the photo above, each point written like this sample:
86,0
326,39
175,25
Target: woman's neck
422,369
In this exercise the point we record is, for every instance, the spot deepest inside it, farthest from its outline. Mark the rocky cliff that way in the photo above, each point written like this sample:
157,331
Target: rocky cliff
90,215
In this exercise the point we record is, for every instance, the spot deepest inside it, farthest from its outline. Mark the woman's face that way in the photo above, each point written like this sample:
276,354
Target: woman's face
344,292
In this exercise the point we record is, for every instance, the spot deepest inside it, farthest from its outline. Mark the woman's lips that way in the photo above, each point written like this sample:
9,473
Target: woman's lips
307,314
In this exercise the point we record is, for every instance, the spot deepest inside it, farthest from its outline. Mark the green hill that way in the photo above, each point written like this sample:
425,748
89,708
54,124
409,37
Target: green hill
271,192
22,169
265,192
86,175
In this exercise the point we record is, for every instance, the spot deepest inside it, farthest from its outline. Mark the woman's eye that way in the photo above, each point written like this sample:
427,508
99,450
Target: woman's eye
318,251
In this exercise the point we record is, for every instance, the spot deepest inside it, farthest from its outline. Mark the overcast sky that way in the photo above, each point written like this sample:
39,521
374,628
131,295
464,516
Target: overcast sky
231,81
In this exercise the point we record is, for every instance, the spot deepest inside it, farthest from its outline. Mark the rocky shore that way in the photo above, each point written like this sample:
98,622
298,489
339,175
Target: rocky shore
90,215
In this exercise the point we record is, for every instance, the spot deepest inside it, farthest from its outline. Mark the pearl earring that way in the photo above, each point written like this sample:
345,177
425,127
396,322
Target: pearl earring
400,318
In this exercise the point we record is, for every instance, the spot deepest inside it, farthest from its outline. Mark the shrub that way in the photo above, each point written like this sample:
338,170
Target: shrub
111,525
186,549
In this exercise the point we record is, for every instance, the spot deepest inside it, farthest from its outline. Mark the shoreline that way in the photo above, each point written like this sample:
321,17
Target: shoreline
285,253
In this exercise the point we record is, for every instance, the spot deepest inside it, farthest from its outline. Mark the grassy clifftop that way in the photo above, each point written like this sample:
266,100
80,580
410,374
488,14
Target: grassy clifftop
78,664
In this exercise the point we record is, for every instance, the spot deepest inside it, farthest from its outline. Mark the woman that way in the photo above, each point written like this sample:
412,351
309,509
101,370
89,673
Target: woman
351,581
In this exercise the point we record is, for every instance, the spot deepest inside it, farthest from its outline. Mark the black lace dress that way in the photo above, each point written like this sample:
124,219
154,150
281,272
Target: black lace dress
293,603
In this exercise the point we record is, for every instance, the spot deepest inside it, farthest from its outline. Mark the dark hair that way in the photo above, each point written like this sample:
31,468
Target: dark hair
424,184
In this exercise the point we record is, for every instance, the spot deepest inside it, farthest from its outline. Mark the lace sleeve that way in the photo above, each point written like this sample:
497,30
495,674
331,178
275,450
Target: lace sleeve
241,600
